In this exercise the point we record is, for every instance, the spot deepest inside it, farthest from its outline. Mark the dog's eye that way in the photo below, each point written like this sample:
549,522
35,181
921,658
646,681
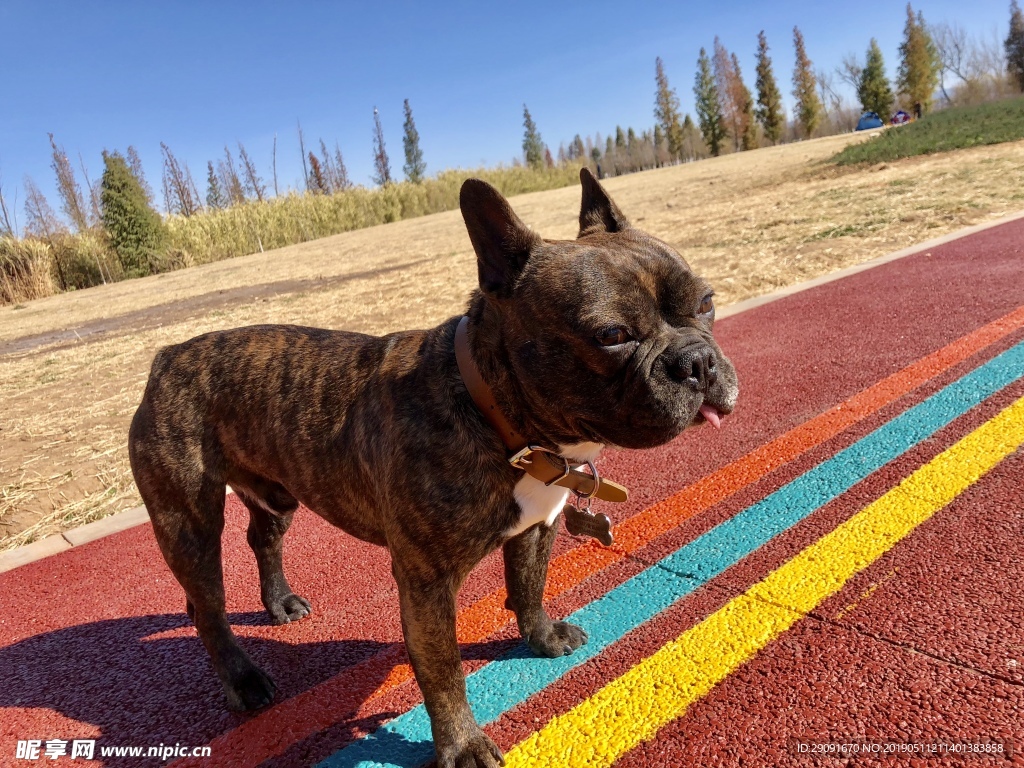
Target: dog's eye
613,336
707,306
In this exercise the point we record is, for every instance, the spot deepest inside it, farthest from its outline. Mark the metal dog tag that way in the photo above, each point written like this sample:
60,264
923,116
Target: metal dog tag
582,522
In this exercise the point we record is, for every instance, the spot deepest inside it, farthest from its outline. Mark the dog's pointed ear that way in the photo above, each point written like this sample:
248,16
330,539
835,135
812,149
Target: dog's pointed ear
598,213
501,240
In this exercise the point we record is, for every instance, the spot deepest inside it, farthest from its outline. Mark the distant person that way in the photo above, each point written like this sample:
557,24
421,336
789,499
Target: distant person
917,110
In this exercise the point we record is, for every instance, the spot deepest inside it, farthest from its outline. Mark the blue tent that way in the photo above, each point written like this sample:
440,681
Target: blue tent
868,121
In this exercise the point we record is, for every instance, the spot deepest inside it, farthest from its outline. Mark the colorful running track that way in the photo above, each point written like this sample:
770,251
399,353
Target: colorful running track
832,578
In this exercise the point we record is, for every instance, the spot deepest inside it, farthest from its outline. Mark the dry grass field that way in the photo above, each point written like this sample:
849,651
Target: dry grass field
73,366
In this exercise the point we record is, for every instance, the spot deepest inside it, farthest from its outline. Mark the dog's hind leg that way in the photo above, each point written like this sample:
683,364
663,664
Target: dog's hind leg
526,571
184,495
271,509
189,534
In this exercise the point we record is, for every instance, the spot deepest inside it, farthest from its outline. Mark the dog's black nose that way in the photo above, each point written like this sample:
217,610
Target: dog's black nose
695,365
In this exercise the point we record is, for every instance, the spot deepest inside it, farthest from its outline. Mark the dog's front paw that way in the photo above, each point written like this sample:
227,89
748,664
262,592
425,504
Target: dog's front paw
287,608
474,751
252,688
556,638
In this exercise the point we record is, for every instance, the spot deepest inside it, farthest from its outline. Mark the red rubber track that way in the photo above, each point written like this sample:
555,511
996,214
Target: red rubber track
94,642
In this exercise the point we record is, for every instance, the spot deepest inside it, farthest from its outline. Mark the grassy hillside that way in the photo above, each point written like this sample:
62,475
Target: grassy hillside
954,128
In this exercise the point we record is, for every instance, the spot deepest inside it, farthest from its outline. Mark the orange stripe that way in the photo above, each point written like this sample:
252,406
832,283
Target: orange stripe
351,693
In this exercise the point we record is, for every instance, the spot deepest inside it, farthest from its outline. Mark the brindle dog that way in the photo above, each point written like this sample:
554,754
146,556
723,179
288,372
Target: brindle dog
602,340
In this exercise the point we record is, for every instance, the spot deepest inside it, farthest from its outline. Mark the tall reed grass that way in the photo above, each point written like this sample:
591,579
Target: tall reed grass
25,270
31,267
295,218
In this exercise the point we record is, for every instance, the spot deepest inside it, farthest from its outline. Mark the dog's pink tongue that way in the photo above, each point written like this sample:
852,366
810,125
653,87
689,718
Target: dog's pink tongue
711,414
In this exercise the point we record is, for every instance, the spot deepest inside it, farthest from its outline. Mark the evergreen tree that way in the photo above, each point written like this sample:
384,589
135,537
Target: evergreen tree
576,149
873,88
533,145
666,110
1014,46
918,74
137,233
414,166
215,199
381,163
769,101
805,88
709,106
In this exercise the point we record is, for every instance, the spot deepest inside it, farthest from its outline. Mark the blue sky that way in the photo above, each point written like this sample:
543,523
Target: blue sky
201,75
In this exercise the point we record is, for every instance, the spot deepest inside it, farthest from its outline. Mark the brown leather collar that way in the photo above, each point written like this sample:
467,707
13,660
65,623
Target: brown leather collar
545,465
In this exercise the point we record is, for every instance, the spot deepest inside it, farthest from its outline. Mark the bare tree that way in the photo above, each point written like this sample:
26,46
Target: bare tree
273,163
333,168
977,63
8,226
253,182
840,116
135,166
951,43
326,168
340,169
726,78
94,193
41,221
302,151
230,181
831,100
180,193
381,164
988,59
850,70
67,187
318,183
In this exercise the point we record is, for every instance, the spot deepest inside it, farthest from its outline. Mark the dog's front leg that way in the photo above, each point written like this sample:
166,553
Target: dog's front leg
428,623
526,572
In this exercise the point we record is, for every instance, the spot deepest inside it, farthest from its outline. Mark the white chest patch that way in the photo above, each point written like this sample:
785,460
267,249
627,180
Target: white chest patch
539,503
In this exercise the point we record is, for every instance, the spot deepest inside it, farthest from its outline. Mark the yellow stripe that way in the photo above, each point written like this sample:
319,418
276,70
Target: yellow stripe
658,690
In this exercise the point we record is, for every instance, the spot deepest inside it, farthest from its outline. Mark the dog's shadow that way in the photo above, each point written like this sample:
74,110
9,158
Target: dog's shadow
139,688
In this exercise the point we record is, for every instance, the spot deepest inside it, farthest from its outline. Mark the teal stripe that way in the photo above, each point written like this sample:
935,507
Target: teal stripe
405,742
